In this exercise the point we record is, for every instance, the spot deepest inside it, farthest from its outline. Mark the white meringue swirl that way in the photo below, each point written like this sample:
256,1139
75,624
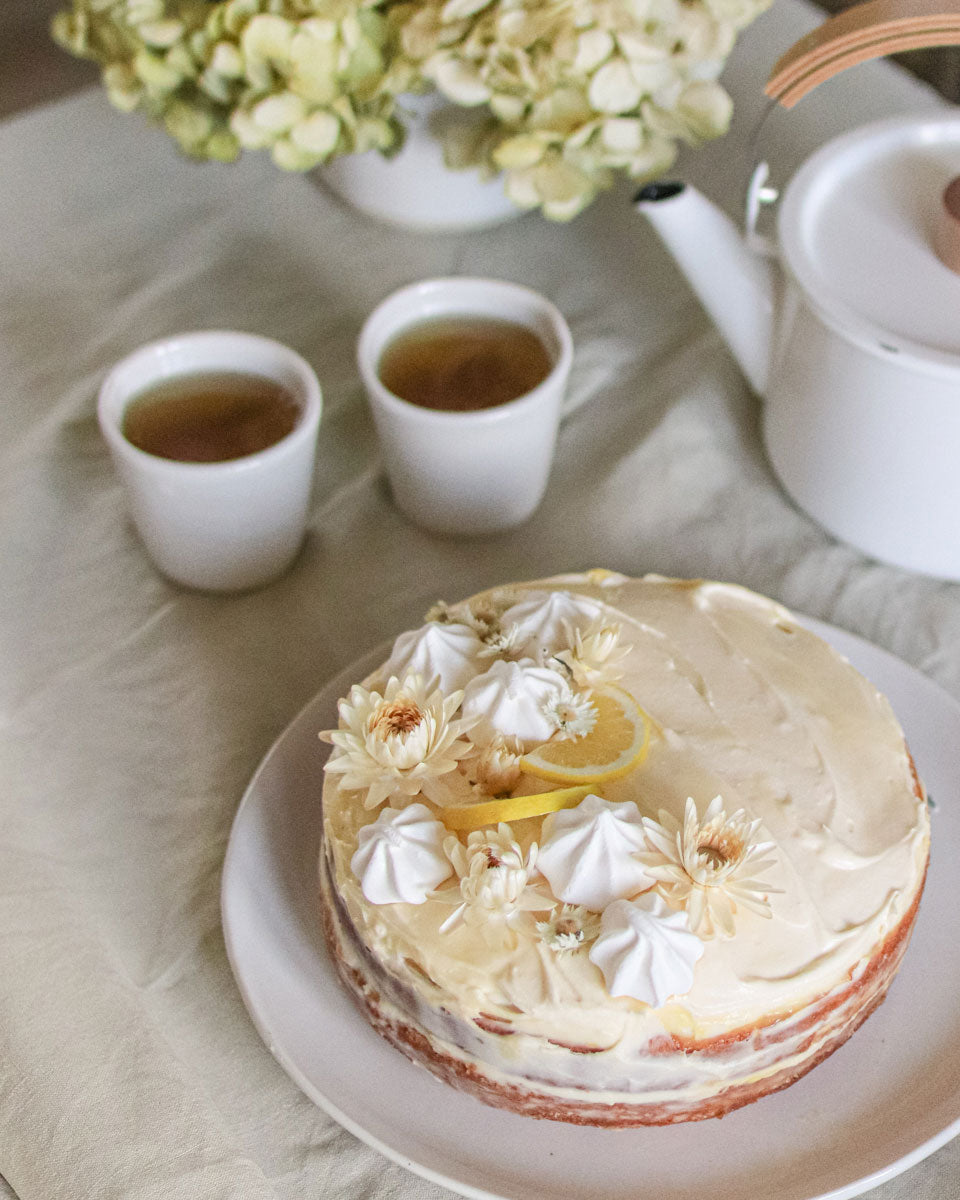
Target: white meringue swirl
400,857
587,853
546,621
646,950
449,652
509,699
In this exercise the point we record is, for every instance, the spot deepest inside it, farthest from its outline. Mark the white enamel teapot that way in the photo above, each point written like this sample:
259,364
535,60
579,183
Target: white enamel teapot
853,336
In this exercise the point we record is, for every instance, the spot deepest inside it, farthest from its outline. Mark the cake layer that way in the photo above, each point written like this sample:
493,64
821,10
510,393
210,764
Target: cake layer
666,1083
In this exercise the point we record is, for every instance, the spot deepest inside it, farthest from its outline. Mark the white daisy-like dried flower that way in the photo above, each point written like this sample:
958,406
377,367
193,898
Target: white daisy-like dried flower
568,929
397,744
708,866
572,713
595,656
441,613
493,874
496,769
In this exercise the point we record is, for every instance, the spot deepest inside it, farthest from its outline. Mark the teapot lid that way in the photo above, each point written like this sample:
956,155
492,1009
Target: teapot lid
858,228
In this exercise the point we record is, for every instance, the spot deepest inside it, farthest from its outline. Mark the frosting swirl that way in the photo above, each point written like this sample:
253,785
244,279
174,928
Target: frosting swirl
448,652
400,857
546,621
645,950
509,700
588,853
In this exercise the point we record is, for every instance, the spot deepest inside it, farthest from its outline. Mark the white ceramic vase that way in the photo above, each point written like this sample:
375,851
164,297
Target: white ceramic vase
415,189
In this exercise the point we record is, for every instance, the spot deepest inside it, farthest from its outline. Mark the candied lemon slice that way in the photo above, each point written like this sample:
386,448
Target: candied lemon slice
464,817
618,743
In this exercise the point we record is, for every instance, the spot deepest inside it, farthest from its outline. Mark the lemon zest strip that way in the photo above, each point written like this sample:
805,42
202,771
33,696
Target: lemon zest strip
462,818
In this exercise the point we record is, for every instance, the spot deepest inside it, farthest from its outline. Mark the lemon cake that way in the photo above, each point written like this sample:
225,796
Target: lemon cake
618,851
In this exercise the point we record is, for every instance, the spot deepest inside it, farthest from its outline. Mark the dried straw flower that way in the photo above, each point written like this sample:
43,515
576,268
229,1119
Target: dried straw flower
493,874
569,928
496,769
595,656
708,866
397,744
572,713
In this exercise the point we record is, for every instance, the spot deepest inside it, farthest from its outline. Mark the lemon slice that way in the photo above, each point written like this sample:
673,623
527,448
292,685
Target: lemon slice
618,743
463,817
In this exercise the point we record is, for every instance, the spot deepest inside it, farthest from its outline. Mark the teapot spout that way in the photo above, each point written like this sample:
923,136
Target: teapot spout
735,285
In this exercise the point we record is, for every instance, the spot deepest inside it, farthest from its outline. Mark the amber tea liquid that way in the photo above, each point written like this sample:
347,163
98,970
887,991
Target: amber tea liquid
464,363
210,417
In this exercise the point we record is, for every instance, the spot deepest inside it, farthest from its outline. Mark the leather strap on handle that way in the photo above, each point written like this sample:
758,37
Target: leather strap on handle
871,29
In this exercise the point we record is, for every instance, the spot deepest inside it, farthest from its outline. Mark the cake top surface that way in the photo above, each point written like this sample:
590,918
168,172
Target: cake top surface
771,833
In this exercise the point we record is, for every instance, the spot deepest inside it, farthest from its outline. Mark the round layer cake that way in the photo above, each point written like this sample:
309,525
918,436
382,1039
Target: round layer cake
618,851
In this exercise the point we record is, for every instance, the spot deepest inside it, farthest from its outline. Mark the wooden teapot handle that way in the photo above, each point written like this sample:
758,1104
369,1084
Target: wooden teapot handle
867,30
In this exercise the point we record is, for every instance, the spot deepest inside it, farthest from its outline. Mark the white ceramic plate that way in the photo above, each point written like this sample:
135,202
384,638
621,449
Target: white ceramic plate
885,1100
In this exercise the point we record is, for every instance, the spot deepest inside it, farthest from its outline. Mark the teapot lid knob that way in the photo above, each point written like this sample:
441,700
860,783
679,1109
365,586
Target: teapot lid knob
946,235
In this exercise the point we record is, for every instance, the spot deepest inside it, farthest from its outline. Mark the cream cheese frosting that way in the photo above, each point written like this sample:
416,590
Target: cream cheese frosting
749,706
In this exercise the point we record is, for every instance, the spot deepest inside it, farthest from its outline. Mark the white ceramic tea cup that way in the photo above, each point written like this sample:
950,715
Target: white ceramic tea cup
219,526
475,472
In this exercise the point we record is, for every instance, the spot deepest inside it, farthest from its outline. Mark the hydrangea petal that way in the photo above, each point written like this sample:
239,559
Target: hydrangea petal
707,109
613,88
456,10
278,114
227,60
521,151
459,81
594,46
269,37
161,34
316,134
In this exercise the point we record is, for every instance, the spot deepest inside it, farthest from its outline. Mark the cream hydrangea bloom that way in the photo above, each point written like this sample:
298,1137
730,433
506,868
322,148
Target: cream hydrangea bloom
579,89
399,744
568,92
708,866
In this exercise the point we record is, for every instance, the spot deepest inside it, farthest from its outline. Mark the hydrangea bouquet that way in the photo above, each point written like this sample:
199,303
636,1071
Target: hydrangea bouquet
572,91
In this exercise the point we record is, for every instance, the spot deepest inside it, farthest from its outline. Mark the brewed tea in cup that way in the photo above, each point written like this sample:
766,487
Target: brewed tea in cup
211,416
464,363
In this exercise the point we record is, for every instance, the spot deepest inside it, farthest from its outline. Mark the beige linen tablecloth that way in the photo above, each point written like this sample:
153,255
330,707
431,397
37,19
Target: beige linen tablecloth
132,713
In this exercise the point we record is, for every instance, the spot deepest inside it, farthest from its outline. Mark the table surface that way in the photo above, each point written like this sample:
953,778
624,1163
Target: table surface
133,713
